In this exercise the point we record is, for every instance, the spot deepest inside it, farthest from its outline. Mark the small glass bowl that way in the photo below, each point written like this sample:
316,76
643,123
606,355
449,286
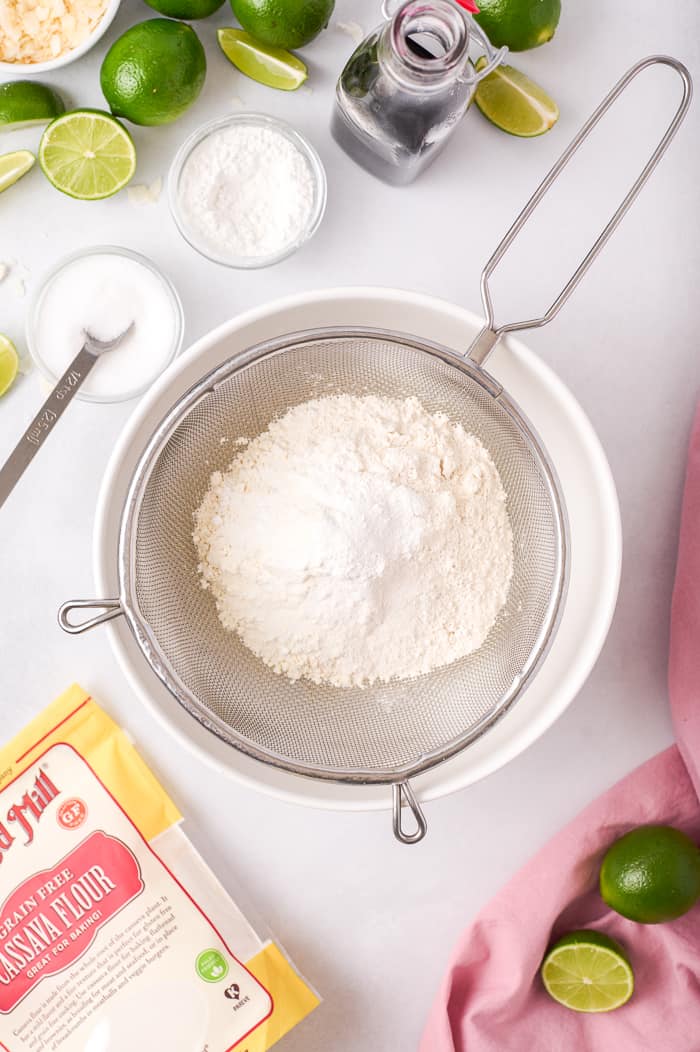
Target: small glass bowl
104,250
258,120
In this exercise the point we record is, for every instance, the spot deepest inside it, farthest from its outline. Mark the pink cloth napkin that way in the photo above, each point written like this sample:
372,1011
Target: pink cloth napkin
491,999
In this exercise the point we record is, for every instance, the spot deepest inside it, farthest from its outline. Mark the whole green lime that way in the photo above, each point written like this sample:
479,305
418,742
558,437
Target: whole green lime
283,23
651,875
519,24
185,9
153,72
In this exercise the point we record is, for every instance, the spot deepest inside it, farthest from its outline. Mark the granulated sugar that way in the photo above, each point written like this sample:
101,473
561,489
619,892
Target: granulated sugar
358,540
246,191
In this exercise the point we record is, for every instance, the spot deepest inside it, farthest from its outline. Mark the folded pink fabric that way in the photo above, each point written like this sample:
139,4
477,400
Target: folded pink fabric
492,999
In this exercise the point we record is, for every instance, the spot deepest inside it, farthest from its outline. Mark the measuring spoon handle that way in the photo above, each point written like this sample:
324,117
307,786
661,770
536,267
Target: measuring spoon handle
44,422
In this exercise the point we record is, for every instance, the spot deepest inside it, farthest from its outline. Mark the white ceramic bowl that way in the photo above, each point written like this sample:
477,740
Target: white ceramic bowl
31,69
589,490
192,236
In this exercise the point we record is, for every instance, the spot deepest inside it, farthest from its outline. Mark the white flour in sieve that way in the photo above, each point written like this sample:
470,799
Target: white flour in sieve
357,540
246,191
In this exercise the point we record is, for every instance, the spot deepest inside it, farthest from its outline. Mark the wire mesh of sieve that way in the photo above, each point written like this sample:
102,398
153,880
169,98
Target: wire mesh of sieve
370,734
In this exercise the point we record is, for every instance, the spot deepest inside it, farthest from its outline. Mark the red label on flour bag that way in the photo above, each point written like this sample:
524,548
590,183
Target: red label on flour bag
53,918
114,935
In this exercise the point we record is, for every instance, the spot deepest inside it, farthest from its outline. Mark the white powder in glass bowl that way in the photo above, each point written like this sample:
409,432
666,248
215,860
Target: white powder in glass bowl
245,191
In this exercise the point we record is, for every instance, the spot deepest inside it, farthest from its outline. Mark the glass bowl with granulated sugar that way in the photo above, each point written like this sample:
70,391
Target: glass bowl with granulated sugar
247,191
37,36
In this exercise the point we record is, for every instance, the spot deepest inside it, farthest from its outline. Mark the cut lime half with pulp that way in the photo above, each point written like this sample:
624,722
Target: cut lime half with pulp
9,363
588,971
271,66
13,166
24,102
514,103
87,154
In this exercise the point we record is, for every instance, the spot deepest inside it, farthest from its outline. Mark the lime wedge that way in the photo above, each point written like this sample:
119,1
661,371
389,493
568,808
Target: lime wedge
87,154
9,363
24,102
268,65
513,102
588,972
13,166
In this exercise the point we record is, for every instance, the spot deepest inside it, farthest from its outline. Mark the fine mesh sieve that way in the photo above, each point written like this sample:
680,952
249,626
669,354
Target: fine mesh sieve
381,734
368,734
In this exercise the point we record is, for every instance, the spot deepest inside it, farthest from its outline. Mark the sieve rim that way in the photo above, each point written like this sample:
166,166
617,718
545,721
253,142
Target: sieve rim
151,649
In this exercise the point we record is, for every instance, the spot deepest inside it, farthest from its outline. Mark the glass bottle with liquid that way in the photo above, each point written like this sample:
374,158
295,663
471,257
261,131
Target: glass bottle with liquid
407,86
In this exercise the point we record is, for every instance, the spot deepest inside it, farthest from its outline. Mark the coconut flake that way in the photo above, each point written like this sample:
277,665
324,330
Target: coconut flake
33,31
145,194
351,29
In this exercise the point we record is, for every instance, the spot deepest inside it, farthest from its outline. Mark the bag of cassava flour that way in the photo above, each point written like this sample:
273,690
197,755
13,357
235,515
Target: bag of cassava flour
114,934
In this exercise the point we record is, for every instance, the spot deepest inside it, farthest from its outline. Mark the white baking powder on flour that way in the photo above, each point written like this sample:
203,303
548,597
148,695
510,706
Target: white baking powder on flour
358,540
246,191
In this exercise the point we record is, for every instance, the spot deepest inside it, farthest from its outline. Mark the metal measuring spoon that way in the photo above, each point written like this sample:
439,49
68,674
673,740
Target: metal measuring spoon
53,408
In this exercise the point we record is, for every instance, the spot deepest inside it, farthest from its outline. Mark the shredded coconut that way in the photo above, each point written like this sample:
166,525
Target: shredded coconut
40,30
358,540
246,191
145,193
353,30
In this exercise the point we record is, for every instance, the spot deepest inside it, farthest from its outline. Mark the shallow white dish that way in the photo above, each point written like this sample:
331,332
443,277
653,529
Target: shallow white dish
35,69
596,544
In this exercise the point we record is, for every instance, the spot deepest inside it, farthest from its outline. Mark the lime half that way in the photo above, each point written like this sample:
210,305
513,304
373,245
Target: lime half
87,154
588,971
268,65
13,166
9,363
24,102
513,102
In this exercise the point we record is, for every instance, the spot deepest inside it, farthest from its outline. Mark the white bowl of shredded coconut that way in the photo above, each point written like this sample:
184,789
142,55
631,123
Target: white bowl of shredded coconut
247,190
37,36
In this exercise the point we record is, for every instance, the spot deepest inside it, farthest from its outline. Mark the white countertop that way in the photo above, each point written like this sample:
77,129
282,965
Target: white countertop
369,921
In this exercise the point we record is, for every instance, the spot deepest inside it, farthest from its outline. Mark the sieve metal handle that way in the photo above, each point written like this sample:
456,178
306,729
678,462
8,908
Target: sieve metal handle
489,336
110,608
402,792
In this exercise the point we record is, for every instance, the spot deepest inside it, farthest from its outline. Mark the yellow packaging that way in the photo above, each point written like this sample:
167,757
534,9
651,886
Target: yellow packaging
114,934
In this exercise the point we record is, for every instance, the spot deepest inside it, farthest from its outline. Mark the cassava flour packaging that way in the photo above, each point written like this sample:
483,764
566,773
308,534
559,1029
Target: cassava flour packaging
114,934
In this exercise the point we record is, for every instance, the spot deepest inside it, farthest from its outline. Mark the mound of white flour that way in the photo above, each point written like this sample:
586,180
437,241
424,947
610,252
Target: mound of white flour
358,540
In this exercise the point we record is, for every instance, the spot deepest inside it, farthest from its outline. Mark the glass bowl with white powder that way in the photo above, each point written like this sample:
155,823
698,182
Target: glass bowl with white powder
105,289
247,190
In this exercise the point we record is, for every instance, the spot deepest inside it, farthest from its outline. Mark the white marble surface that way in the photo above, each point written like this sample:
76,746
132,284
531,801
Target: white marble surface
369,921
